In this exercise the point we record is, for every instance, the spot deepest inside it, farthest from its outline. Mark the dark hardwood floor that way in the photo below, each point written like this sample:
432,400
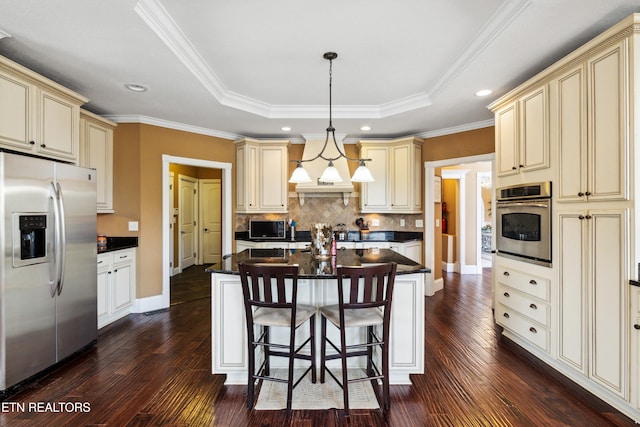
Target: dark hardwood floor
155,370
191,284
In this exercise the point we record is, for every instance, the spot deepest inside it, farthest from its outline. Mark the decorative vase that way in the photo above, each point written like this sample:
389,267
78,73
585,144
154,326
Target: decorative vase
321,239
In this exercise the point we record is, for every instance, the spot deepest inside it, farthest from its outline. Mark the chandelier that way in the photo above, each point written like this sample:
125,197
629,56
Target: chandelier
330,174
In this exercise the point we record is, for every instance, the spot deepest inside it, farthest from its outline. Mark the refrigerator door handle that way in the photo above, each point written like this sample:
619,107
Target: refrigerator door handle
62,237
53,194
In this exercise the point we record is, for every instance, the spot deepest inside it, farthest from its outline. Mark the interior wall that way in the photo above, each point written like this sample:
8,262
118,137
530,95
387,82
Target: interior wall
138,150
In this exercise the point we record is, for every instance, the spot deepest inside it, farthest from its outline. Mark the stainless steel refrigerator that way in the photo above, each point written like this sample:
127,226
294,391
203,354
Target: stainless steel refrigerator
48,289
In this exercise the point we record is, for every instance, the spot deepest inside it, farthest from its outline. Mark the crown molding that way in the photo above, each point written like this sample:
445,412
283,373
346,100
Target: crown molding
457,129
172,125
4,34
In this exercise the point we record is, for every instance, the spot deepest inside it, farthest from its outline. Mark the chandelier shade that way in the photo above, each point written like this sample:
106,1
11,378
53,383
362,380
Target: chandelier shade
331,174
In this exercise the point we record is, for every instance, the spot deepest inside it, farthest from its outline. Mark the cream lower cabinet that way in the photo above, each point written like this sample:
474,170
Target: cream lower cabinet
38,116
593,141
635,344
116,285
522,306
261,176
593,296
96,151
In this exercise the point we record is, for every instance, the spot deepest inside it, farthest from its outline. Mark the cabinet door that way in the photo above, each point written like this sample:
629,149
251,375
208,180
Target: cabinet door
16,109
572,290
375,195
122,286
507,153
608,301
401,177
104,275
534,141
59,123
571,134
98,154
274,166
246,176
608,137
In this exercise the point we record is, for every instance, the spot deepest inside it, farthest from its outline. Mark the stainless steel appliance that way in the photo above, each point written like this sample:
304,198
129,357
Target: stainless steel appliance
48,289
262,229
523,222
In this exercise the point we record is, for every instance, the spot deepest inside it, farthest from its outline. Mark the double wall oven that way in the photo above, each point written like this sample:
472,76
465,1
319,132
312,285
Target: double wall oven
523,222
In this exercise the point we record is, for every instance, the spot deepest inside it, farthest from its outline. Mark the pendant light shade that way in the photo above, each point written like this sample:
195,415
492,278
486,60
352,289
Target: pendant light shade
362,174
299,175
331,174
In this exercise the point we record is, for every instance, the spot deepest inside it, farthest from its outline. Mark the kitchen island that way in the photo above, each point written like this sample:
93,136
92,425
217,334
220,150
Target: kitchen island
317,285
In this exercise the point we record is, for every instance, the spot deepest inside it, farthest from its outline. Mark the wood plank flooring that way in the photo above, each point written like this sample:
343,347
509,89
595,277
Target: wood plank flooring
154,370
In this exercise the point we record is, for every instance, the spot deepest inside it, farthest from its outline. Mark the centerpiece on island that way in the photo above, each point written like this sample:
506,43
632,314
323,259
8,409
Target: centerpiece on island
321,240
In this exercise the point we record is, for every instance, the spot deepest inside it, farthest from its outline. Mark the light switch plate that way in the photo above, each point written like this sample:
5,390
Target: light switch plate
375,222
133,225
402,222
419,223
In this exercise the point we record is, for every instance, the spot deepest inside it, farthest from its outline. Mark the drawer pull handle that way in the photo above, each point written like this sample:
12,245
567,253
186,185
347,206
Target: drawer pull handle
100,262
506,273
123,256
532,329
533,282
533,306
506,294
636,326
506,315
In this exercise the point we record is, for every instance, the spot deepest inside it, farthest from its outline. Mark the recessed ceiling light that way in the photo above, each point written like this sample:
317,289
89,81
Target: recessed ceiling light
285,128
135,87
365,128
483,92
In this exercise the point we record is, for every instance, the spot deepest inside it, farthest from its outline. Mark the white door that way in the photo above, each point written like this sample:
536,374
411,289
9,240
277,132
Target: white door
187,220
211,220
172,225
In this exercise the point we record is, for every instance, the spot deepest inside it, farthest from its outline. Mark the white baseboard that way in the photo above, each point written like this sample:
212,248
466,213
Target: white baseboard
449,267
471,269
144,305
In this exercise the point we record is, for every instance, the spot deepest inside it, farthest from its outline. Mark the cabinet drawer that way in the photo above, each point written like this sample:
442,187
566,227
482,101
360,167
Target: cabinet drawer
532,332
524,282
524,305
124,255
104,260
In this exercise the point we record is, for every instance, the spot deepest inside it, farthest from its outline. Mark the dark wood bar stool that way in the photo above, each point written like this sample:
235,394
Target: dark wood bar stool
267,303
366,302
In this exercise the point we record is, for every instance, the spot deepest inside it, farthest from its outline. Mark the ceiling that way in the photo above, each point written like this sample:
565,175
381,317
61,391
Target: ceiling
234,68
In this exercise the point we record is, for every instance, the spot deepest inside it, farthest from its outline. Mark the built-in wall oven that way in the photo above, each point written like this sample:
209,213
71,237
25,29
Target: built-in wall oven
523,222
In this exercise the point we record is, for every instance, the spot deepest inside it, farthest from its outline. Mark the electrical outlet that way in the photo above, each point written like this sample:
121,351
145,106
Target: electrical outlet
437,223
402,222
375,222
133,225
419,223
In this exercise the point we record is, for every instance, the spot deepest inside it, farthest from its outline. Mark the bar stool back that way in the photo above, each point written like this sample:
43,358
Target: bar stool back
365,302
268,303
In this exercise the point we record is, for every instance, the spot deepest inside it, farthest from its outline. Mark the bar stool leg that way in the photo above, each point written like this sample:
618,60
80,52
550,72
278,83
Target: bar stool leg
323,346
312,335
267,352
251,369
345,382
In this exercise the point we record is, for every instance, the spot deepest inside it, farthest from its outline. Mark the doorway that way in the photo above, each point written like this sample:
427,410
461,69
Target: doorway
225,213
433,244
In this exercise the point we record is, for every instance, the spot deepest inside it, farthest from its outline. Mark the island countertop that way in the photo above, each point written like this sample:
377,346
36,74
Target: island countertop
312,268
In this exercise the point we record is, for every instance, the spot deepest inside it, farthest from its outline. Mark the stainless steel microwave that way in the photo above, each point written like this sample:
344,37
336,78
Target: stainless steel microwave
523,222
263,229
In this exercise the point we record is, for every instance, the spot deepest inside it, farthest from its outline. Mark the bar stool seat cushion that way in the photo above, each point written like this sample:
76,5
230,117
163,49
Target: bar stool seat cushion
268,316
353,318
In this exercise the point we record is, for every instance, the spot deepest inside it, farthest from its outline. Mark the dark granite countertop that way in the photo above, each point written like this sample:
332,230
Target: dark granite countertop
634,283
311,268
352,236
117,243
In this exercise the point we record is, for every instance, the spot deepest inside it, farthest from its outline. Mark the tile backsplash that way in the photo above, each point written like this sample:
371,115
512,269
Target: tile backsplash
331,209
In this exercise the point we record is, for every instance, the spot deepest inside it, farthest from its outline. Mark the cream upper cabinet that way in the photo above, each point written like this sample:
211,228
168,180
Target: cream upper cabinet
593,142
96,151
261,176
522,133
592,327
396,168
37,115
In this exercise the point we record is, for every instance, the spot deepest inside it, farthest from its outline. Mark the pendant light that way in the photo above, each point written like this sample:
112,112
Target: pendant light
330,174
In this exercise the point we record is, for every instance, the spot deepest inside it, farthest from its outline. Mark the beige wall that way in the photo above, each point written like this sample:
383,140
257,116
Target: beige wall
138,150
